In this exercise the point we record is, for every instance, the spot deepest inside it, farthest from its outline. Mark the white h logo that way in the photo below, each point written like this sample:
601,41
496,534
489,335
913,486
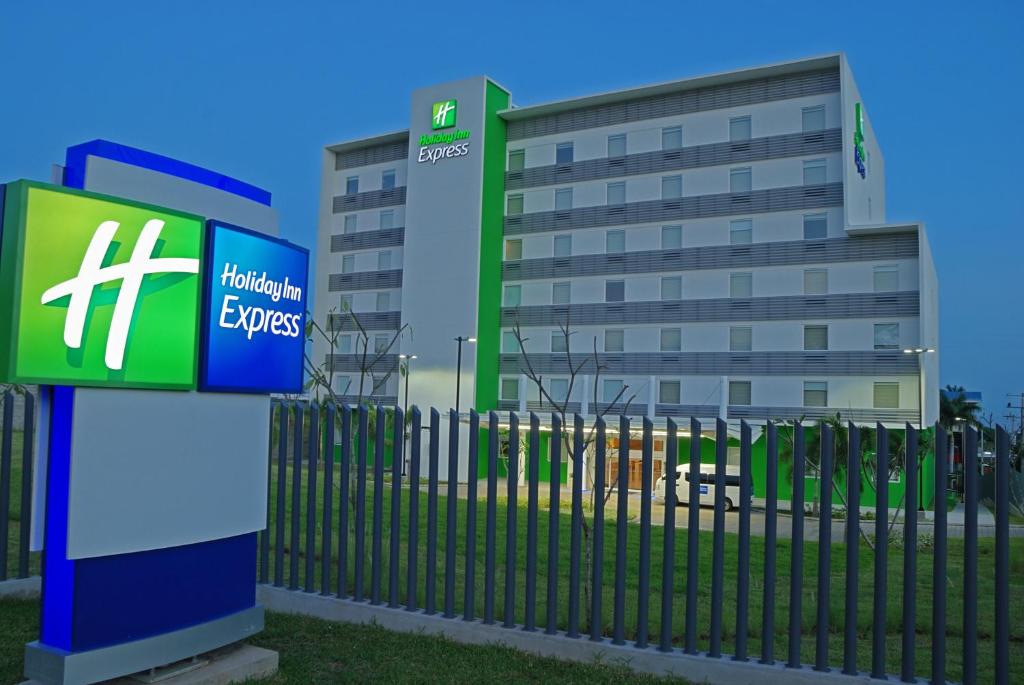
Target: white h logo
130,273
442,112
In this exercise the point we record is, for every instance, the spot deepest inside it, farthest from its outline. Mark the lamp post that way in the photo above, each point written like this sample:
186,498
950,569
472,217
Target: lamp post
458,368
920,352
407,358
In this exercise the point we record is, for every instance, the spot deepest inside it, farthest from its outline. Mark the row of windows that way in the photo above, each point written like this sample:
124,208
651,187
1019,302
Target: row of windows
741,232
387,220
886,278
387,182
740,181
383,302
348,262
812,119
741,339
886,394
350,343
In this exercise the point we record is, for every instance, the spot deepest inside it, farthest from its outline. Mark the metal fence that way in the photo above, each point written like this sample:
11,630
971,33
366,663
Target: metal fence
345,521
16,444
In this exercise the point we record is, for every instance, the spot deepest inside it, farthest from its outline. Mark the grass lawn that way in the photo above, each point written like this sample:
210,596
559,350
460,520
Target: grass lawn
315,651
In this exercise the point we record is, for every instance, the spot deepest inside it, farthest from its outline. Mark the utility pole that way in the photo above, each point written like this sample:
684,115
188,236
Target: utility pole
1019,407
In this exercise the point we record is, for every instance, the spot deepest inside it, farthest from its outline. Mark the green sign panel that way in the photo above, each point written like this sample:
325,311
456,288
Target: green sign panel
443,114
97,290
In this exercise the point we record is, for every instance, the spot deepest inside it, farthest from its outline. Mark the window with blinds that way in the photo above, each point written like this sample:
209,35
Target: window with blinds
741,338
617,145
815,338
563,246
510,389
887,336
672,138
514,249
815,394
815,226
669,392
615,241
671,340
887,395
741,284
887,279
741,232
671,187
563,199
739,392
515,205
740,180
813,118
560,293
616,193
513,295
516,160
671,237
558,342
672,288
815,281
614,340
739,128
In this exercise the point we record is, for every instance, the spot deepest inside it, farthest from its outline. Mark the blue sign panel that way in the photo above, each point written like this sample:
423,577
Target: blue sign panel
254,312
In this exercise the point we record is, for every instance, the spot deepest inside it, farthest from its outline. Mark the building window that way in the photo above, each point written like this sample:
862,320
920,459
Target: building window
616,193
614,291
559,343
741,284
887,336
617,145
671,187
348,264
509,342
615,241
560,293
740,180
672,288
887,278
815,281
612,390
387,179
383,302
380,344
739,392
887,395
815,226
739,128
614,340
741,338
814,172
814,118
350,223
513,295
346,302
671,237
387,219
510,389
514,249
516,160
672,138
383,260
741,232
815,394
563,198
515,205
342,384
351,185
344,344
563,245
563,153
668,392
671,340
815,338
558,388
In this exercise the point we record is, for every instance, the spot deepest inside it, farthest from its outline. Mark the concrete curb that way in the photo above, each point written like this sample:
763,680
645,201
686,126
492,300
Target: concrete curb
694,668
21,588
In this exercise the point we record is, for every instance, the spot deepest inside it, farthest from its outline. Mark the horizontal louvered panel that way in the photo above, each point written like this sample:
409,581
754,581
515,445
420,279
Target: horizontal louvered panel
866,248
846,414
682,102
365,280
368,240
696,156
375,154
833,363
373,364
370,321
695,207
683,412
794,307
369,200
383,400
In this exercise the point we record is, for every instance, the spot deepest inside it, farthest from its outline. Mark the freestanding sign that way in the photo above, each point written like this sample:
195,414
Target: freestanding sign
150,542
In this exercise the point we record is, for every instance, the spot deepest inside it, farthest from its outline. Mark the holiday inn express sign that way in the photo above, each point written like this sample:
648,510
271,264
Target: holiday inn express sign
101,291
450,143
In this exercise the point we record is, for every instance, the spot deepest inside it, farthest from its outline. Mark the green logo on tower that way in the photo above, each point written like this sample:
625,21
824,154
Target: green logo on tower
443,114
97,290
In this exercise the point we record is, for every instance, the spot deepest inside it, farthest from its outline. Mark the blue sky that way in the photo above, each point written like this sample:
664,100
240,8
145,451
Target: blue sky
255,89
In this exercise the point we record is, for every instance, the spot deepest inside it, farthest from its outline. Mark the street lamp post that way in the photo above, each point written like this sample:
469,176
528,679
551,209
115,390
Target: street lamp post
407,358
920,352
458,368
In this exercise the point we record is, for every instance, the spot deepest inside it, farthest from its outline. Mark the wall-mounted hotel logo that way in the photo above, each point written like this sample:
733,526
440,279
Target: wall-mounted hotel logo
860,157
437,146
101,291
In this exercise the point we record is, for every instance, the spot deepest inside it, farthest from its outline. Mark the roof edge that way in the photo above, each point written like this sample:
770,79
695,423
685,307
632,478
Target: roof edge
370,141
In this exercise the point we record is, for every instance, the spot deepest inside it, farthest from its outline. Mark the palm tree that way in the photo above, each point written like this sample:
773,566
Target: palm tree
953,407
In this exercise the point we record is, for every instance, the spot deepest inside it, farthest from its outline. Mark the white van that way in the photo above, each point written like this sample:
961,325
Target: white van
707,486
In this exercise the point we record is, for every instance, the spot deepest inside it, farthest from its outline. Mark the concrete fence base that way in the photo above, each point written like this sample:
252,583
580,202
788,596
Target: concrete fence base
21,588
695,668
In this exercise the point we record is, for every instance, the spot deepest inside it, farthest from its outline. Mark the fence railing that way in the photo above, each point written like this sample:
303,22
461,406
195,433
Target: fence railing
880,598
17,422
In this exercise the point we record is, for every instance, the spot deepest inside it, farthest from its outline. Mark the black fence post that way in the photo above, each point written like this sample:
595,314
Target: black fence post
939,558
796,560
411,580
597,568
852,548
490,554
771,507
344,482
668,551
825,465
644,570
311,478
472,474
621,526
970,640
395,536
692,538
264,573
511,512
296,540
532,478
282,481
377,529
430,602
743,545
5,481
551,622
576,529
881,588
328,513
718,539
451,525
1002,620
28,438
909,556
359,560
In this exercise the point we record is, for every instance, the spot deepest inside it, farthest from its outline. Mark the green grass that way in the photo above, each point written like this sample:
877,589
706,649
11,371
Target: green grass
836,601
14,527
316,651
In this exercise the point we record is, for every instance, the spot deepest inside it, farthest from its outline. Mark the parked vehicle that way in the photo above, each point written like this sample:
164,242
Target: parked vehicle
707,486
